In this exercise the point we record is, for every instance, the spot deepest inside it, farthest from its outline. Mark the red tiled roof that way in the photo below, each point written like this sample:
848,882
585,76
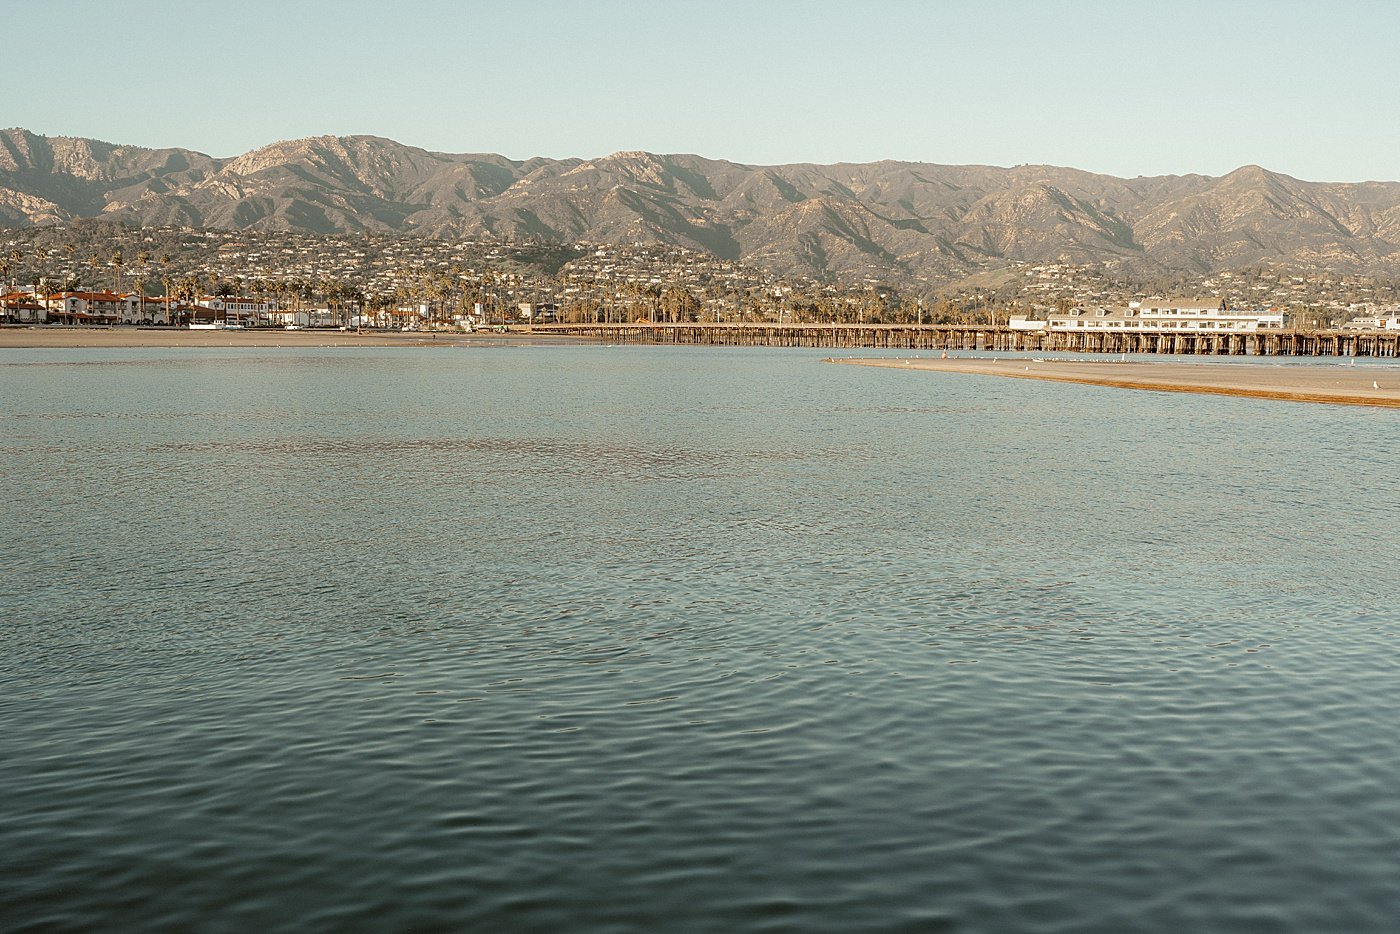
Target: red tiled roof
90,296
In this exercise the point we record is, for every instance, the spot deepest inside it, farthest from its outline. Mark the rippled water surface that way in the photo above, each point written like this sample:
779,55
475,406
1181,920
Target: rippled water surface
641,639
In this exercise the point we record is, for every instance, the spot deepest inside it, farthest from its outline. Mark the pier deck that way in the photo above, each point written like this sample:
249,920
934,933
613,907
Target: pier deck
1274,343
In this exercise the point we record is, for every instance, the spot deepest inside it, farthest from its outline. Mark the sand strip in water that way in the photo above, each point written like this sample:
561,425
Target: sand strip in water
1339,384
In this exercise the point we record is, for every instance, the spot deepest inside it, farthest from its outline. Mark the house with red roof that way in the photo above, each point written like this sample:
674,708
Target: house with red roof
101,308
22,308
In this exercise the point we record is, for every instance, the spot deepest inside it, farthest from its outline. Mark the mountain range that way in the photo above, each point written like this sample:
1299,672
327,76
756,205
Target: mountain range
883,220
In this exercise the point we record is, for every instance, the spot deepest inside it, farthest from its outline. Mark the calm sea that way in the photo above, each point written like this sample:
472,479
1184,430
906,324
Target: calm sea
669,639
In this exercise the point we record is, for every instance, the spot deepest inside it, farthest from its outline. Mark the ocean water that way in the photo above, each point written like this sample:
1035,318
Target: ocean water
678,639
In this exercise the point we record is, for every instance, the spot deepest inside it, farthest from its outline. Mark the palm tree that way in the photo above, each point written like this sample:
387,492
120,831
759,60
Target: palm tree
143,259
187,289
117,263
41,255
488,282
139,287
96,265
278,288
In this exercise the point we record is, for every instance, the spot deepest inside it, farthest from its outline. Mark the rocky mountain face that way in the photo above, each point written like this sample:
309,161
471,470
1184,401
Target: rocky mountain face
884,220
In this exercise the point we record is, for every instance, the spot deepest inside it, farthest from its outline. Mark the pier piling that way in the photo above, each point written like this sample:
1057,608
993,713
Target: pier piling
1274,343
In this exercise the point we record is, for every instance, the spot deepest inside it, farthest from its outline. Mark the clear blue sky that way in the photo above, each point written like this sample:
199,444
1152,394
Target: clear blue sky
1126,88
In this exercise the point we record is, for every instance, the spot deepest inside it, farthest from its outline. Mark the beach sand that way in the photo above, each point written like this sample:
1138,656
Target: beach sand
247,337
1337,384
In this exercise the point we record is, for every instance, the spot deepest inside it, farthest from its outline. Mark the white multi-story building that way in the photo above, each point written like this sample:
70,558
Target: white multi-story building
1156,316
93,308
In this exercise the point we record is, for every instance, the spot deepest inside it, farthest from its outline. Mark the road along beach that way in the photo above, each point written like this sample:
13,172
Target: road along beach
1339,384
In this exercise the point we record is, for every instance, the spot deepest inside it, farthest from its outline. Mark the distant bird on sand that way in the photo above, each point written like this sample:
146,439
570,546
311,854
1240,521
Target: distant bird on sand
1375,385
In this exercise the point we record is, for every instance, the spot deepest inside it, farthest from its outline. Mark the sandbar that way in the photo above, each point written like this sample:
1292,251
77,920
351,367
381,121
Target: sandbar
1339,384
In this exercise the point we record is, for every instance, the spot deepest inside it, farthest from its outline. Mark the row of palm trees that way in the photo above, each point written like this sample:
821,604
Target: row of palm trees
71,277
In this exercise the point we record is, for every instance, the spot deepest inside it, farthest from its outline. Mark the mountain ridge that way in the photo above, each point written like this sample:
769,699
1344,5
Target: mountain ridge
889,219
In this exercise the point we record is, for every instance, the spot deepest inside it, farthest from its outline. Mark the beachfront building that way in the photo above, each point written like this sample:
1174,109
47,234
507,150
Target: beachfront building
249,312
306,318
154,310
98,309
537,312
206,316
293,318
1157,316
94,308
182,313
22,308
1374,323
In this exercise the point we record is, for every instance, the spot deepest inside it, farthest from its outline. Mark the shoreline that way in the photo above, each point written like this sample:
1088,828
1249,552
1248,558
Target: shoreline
49,337
1338,385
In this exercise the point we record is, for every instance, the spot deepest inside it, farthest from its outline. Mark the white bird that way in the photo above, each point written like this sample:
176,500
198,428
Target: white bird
1375,385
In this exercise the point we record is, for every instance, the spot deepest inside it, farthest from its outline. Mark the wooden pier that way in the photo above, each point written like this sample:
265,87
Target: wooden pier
1273,343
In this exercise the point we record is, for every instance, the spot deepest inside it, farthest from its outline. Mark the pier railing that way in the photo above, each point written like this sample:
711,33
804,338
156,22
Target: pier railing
1281,342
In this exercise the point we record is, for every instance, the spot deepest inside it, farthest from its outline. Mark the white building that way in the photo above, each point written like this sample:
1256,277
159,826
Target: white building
1373,323
93,308
23,308
536,311
243,310
1157,316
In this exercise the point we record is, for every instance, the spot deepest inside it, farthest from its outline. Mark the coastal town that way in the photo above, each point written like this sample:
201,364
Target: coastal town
105,274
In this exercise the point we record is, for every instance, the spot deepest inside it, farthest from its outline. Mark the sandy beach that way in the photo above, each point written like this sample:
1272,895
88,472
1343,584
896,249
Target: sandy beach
1337,384
248,337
